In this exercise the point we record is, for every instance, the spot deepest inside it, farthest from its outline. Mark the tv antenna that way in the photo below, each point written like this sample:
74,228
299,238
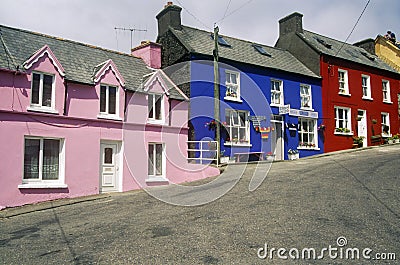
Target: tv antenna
132,30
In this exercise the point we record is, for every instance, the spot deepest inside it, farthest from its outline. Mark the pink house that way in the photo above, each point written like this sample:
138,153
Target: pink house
78,120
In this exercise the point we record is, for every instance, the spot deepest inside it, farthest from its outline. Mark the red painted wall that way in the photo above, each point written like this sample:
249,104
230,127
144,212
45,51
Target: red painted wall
331,98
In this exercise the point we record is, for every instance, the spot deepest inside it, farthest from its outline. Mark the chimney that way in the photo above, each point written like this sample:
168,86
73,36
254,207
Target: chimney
169,16
368,45
150,52
291,24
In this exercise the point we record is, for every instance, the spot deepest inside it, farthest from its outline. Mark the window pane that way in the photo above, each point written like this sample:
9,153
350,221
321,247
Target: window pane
51,151
228,78
159,159
150,106
242,117
158,107
112,99
108,155
150,167
103,90
35,88
233,79
47,88
31,159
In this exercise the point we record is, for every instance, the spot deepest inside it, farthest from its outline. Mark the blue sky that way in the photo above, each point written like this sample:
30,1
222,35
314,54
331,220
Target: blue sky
93,21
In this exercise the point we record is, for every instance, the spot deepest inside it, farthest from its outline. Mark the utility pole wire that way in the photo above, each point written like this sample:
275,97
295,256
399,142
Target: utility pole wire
234,11
355,25
190,13
226,10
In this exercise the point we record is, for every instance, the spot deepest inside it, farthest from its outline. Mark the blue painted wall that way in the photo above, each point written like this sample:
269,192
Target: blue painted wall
255,93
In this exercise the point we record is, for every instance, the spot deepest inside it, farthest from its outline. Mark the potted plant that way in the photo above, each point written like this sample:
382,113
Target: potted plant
223,159
390,140
293,154
396,138
358,140
270,156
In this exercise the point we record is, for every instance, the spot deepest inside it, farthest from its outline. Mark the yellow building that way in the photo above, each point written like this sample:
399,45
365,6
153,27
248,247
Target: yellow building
388,52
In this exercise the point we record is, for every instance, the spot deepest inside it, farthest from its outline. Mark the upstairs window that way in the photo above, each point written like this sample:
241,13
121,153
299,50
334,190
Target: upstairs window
108,100
155,110
232,84
386,91
366,87
343,82
277,92
305,97
42,92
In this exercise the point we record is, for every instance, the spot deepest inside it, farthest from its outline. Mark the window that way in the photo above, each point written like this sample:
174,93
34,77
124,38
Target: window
343,120
343,82
307,132
366,87
155,109
156,161
237,126
385,124
108,100
276,92
386,91
261,50
232,84
42,92
305,96
43,161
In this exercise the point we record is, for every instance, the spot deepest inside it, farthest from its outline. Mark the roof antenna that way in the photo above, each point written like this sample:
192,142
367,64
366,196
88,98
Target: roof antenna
132,30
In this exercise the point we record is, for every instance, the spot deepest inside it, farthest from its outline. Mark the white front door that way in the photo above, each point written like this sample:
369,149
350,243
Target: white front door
277,137
362,125
109,167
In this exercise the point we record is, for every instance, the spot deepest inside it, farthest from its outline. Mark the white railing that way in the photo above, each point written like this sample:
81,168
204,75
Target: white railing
204,151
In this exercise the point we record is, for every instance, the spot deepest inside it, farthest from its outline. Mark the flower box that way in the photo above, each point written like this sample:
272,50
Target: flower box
293,156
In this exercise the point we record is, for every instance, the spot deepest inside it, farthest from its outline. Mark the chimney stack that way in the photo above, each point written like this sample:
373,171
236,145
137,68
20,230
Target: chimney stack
150,52
291,24
170,16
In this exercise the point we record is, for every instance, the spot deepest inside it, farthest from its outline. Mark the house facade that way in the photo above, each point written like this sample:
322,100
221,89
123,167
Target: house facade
269,102
359,90
77,120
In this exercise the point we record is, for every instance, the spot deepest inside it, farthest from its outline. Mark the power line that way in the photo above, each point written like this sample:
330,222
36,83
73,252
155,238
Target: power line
190,13
355,25
234,11
226,10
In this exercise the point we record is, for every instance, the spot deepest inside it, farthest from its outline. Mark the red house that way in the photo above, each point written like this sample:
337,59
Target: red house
360,91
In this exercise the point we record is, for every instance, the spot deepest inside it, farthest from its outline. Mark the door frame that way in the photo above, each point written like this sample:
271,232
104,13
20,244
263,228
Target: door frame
279,123
365,120
118,164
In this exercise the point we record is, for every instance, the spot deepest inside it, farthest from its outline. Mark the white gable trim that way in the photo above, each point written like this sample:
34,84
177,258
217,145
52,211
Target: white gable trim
106,66
45,50
156,76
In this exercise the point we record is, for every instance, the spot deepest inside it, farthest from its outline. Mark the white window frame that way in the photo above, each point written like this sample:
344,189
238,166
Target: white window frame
40,183
306,96
231,125
39,106
343,89
230,85
153,109
105,114
366,87
386,91
385,117
156,177
308,145
346,120
274,91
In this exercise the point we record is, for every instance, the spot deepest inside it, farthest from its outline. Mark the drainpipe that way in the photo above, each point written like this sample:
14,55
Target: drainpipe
216,94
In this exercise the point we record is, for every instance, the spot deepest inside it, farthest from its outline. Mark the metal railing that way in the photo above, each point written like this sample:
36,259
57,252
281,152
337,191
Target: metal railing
203,151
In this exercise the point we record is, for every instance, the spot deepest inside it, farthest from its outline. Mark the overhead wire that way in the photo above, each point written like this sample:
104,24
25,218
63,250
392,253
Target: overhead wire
191,14
234,11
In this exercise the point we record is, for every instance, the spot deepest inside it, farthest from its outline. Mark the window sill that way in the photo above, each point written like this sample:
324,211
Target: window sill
345,94
157,179
308,109
277,105
233,99
156,122
384,135
42,186
109,117
366,98
387,102
44,110
308,148
344,134
238,144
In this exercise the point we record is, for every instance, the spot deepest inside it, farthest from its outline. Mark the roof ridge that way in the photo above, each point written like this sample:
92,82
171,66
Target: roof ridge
68,40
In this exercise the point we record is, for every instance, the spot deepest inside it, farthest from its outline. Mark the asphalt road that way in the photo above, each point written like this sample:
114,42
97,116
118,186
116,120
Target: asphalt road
301,206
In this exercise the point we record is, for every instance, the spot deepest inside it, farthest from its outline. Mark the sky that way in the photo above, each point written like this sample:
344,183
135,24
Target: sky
94,21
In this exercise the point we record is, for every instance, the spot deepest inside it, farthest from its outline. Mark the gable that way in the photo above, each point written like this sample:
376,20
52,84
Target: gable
44,51
107,66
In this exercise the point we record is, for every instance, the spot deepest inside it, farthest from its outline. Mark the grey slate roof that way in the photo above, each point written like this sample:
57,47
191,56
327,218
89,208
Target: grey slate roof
348,52
200,41
79,60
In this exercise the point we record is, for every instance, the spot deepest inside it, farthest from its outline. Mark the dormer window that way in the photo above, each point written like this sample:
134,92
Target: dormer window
108,101
155,108
42,92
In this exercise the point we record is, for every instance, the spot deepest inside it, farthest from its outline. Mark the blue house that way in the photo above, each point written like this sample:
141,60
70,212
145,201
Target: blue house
269,102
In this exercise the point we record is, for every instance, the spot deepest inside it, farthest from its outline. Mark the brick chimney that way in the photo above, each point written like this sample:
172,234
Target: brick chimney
169,16
291,24
150,52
